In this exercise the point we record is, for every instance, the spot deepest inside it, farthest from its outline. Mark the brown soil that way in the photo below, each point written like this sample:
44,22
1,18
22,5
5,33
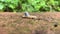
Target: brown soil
14,23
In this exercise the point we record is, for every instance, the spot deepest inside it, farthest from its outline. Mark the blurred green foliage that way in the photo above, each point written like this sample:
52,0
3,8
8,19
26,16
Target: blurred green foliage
29,5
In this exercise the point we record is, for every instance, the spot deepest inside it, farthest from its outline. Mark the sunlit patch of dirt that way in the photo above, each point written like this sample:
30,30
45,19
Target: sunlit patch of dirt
14,23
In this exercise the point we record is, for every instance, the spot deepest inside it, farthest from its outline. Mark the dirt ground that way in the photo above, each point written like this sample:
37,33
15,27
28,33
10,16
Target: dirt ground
14,23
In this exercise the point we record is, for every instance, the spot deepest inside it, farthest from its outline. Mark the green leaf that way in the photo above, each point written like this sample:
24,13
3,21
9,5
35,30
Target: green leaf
1,6
12,6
